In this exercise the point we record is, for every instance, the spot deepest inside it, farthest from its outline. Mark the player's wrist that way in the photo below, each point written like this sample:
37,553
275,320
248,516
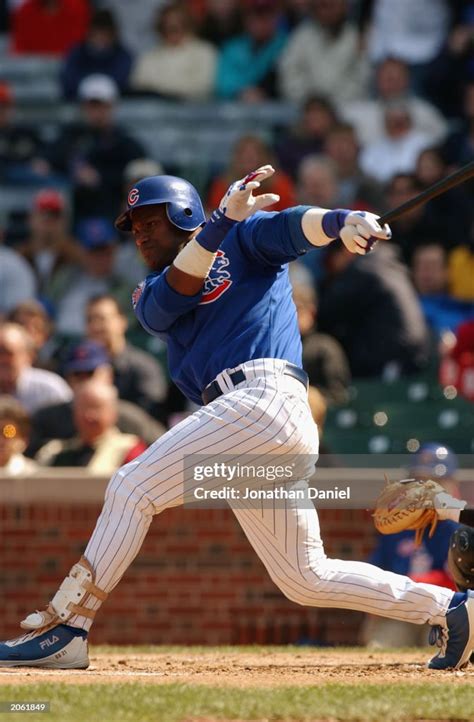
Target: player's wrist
333,222
215,230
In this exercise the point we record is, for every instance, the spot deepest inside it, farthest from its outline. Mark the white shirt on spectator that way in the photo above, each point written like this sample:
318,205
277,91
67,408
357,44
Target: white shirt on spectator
17,281
19,465
388,156
316,62
185,71
37,388
367,117
412,30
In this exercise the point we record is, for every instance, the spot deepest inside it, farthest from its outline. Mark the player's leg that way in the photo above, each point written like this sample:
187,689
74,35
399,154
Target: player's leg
288,541
253,419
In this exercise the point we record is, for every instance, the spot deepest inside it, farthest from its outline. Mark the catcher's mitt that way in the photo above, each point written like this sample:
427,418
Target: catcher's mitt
407,504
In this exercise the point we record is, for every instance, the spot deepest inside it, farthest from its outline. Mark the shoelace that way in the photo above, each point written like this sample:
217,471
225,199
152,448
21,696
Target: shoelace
439,637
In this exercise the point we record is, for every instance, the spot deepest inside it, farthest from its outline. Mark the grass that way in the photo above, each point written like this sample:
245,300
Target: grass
135,702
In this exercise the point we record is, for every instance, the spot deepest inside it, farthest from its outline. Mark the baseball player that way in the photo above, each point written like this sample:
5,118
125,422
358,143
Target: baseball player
219,294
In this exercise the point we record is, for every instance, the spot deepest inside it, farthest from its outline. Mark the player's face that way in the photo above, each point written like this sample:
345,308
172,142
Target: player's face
157,239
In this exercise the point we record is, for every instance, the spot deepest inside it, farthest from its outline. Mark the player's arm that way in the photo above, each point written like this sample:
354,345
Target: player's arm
192,265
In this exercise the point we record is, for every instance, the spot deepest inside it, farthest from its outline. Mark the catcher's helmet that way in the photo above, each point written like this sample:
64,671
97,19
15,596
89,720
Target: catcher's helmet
183,204
434,460
461,557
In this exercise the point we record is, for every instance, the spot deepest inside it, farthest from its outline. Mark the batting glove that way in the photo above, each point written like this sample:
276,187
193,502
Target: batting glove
239,202
361,231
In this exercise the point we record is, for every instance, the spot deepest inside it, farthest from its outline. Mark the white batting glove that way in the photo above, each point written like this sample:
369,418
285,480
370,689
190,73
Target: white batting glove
361,231
239,202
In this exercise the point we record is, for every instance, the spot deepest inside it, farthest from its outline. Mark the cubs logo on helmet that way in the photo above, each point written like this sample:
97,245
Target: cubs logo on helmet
219,280
133,196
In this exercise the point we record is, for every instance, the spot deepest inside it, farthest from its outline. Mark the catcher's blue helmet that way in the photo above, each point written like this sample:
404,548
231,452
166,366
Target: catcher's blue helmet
183,204
435,460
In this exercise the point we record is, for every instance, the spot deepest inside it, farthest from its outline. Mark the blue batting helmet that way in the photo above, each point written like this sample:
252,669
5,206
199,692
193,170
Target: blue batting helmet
435,460
183,204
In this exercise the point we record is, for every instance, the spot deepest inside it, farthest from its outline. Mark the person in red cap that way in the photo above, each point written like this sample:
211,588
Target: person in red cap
19,143
50,249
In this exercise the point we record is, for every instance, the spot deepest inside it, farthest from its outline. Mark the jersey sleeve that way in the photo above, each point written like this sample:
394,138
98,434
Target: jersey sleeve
274,238
157,306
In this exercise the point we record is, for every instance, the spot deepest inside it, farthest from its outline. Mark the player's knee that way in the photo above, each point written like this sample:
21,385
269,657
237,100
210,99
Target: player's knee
124,488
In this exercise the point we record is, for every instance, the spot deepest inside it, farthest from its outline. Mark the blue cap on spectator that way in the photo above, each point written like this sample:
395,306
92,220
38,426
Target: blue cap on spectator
96,233
434,460
85,356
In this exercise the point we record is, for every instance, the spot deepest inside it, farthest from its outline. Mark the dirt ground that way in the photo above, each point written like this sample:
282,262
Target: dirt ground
248,669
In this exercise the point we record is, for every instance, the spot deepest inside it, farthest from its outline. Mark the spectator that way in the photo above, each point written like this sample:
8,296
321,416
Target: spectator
50,249
93,152
307,136
99,240
459,147
428,563
323,358
246,67
356,190
17,281
451,212
32,315
88,361
398,150
392,84
430,277
412,30
49,27
221,22
20,143
461,269
136,28
32,387
250,151
137,375
98,445
411,229
457,367
317,182
100,53
14,433
369,305
181,65
323,56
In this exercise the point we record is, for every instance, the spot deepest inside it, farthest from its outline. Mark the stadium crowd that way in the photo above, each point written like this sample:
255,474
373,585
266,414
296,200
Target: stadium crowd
379,97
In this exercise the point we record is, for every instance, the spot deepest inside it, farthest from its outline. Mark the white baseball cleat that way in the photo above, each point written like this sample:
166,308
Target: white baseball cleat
59,647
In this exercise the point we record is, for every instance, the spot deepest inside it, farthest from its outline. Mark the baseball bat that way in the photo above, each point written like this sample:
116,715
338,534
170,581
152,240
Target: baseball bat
441,186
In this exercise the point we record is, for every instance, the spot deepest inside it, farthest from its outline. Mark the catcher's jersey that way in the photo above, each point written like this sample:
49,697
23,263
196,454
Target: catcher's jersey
245,310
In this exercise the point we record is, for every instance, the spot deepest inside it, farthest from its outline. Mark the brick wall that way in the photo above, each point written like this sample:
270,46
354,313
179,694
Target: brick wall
195,581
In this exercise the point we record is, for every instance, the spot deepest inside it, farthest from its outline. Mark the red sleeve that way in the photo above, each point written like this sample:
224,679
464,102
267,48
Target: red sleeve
436,576
135,451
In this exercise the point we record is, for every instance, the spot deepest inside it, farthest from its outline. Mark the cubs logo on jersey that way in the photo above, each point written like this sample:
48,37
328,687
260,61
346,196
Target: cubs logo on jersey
137,293
218,281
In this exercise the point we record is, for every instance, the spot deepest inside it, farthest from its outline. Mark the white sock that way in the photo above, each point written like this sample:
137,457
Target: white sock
447,507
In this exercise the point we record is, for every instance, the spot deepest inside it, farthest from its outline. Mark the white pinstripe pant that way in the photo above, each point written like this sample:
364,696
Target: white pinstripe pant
266,414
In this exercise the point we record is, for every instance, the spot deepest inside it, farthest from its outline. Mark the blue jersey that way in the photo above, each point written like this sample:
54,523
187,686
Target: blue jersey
245,310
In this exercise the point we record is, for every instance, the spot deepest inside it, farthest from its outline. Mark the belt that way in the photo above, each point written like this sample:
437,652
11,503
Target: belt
213,390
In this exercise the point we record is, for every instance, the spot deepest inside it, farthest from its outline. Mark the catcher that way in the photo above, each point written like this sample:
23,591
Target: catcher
418,505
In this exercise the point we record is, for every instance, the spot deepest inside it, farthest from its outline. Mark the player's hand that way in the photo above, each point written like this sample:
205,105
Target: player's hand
239,201
361,231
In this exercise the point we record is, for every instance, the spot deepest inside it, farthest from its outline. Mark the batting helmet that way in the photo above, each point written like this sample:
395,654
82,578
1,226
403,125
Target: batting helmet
183,204
461,557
